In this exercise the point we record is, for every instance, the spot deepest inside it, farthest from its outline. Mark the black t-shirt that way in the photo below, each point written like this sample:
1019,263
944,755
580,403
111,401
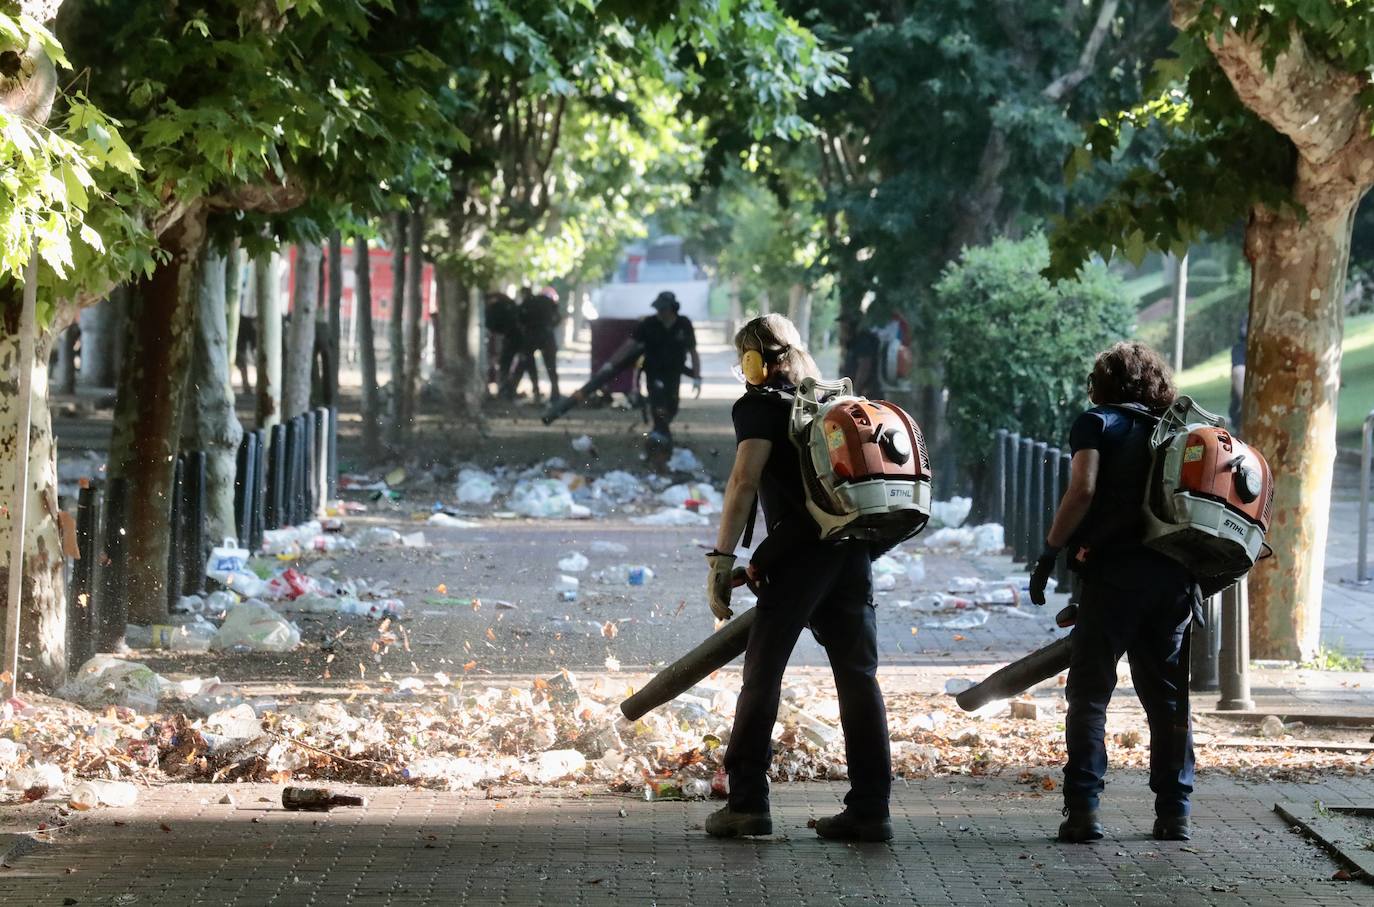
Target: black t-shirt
764,414
1114,526
501,315
539,315
665,347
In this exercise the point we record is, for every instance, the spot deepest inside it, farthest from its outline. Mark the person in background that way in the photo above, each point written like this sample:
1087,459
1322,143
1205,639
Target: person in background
539,318
802,582
669,341
1237,411
861,346
503,342
246,344
1135,601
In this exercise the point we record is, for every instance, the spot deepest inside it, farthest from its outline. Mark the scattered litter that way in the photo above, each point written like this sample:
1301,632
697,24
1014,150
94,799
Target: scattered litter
951,513
414,540
956,685
584,445
884,582
316,799
253,626
565,587
683,460
696,497
377,537
1272,726
105,680
555,765
476,487
672,516
451,522
968,620
617,488
985,539
574,562
604,547
90,794
545,499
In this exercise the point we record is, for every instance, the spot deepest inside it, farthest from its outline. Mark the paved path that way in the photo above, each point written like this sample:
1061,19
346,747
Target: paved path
959,841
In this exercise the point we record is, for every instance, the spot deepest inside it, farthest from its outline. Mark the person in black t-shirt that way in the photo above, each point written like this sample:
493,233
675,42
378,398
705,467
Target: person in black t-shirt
802,581
503,339
539,317
669,340
1134,602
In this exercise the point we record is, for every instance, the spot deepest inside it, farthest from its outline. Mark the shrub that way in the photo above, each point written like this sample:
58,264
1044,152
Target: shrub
1018,349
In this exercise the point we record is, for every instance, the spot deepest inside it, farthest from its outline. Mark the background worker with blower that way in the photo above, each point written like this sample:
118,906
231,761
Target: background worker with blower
803,581
669,340
1135,601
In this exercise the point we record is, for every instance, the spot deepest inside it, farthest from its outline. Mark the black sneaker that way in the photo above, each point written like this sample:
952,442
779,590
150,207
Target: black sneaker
1173,828
726,823
1080,826
849,827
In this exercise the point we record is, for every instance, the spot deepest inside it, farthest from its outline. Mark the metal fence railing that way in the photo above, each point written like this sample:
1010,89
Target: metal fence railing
1029,478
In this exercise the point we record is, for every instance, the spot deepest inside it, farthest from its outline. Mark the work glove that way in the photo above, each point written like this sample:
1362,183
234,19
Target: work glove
719,585
696,388
1040,575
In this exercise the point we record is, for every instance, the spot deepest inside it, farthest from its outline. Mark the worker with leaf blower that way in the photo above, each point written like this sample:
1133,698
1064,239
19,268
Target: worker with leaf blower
802,581
1135,600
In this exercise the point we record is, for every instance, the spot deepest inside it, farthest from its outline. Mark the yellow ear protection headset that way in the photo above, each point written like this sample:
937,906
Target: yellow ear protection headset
755,362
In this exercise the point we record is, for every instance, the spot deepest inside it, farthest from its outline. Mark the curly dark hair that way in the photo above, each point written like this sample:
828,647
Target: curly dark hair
1131,372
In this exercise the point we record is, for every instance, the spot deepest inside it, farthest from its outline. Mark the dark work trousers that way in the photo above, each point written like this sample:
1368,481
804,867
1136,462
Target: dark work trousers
828,587
547,348
509,358
1148,622
664,399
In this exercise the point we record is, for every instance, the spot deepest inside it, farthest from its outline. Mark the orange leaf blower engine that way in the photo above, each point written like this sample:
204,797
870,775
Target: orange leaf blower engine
1209,498
864,462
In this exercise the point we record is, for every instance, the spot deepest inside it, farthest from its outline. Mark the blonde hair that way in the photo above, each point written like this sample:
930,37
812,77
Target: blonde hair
779,342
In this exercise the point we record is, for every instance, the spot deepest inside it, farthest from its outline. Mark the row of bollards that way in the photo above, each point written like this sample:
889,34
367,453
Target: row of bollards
283,477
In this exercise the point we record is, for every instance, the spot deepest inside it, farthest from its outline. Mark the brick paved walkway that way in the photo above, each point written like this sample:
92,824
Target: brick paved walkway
959,841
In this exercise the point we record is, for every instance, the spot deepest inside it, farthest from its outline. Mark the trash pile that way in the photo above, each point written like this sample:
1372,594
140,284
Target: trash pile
445,732
959,603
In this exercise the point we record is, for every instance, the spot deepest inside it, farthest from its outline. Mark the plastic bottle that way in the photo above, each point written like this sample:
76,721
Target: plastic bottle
566,588
639,575
193,637
316,799
90,794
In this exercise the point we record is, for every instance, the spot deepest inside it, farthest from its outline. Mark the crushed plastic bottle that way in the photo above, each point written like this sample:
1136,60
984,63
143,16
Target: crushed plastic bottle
1271,726
575,562
90,794
565,587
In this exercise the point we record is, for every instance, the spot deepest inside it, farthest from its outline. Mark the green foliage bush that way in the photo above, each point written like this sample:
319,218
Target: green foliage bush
1018,348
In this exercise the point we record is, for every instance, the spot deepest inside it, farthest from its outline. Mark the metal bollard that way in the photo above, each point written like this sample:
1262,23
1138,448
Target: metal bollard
1062,572
1204,647
301,475
1035,513
112,601
1050,483
81,617
1234,659
1366,451
333,471
310,456
245,487
320,486
293,443
1013,489
194,516
274,508
176,545
255,529
997,490
1026,463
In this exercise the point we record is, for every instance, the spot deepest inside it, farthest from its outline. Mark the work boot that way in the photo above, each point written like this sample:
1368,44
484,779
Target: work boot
1173,828
849,827
727,823
1080,826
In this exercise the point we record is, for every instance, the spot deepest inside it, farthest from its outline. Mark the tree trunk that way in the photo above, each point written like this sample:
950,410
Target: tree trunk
462,378
209,422
43,618
396,328
414,305
1292,382
268,365
367,348
233,289
152,382
301,343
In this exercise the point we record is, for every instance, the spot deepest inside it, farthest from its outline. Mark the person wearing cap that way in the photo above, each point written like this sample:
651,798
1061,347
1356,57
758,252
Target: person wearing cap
669,341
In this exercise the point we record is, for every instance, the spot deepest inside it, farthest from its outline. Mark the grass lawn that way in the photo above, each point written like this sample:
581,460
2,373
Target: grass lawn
1209,383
